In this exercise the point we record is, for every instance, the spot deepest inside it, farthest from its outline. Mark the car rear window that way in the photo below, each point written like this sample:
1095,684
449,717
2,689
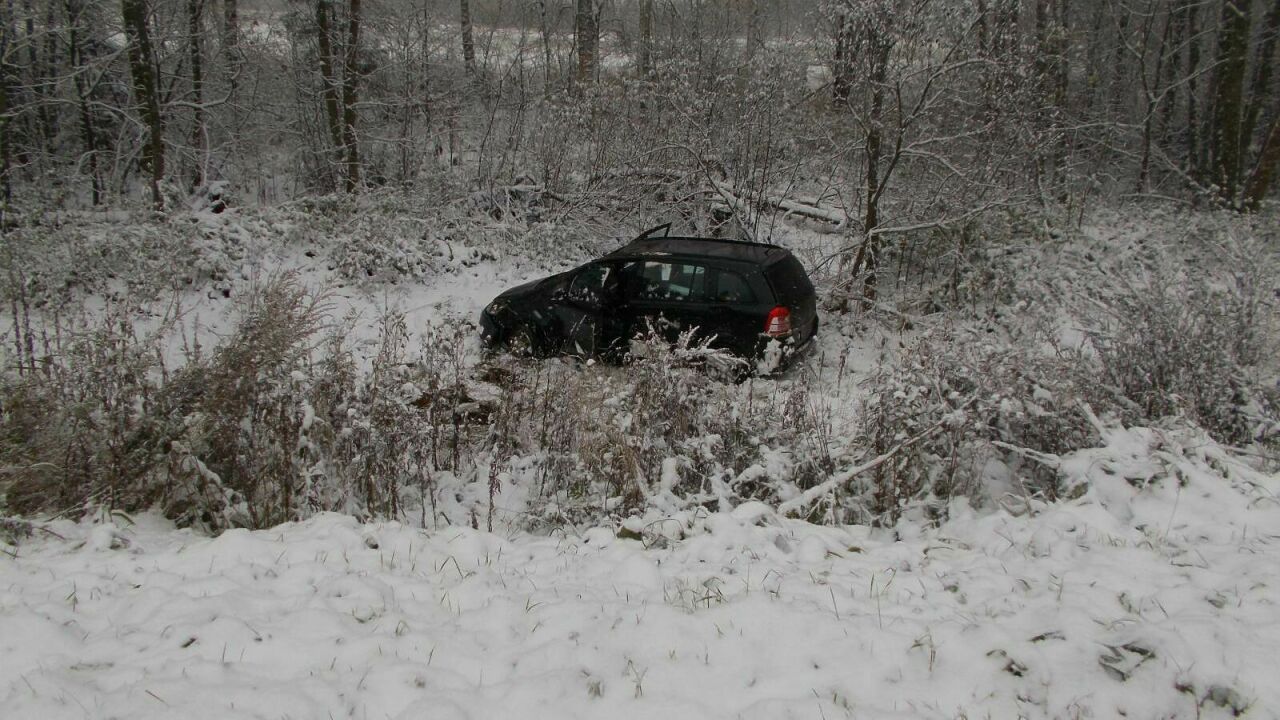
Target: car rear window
732,288
789,280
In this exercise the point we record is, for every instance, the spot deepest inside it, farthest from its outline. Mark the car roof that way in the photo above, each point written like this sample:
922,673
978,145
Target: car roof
716,248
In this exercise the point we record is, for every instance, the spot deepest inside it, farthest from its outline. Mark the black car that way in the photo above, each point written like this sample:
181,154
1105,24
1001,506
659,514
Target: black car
741,295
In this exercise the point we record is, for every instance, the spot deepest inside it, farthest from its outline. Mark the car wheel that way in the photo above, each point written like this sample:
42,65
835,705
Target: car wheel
523,340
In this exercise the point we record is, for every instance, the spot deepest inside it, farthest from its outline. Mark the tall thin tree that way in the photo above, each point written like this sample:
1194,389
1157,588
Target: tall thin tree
646,40
1264,63
231,41
1228,110
350,78
328,73
88,127
195,58
6,134
468,37
587,36
146,91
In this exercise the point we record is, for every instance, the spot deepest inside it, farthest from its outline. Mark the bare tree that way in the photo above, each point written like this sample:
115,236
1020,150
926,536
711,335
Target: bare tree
142,68
1264,175
468,38
917,75
1233,58
587,35
195,55
645,65
350,78
78,67
1263,64
328,73
6,118
231,40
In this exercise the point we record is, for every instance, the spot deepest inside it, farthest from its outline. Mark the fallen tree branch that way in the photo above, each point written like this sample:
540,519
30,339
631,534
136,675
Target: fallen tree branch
817,491
1050,461
733,198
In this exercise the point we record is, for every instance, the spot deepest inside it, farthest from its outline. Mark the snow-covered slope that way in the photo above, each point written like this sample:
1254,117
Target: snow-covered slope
1153,594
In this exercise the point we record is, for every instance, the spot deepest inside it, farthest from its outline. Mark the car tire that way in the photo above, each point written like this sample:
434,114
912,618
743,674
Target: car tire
523,340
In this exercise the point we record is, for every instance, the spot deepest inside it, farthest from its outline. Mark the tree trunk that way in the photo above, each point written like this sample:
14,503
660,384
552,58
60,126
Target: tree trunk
869,253
88,129
195,12
1195,161
1151,89
586,35
1120,65
842,76
984,31
6,83
646,40
36,84
50,67
1263,64
1264,174
6,151
231,40
1093,55
1233,58
350,76
1062,88
468,38
142,70
1044,69
754,34
1041,60
1177,38
1005,35
324,24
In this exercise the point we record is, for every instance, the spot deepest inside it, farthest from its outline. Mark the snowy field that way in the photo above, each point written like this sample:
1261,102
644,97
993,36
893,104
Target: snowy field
1153,594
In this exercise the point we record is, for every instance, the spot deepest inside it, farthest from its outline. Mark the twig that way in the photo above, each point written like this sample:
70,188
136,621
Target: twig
1046,459
823,488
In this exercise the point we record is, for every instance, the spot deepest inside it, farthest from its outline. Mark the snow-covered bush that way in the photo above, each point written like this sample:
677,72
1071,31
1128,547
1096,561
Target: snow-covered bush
657,432
1189,342
243,412
77,413
965,415
275,423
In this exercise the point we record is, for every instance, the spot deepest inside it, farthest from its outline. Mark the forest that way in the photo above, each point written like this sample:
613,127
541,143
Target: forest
896,114
255,461
1083,187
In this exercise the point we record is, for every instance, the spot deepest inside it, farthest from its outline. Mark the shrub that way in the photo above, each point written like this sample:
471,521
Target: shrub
77,421
1189,341
963,414
243,412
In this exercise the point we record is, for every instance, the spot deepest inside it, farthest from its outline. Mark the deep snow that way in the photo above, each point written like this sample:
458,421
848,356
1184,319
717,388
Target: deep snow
1154,594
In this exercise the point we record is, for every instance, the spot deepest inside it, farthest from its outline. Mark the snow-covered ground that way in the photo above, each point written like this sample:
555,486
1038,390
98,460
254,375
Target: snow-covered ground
1155,593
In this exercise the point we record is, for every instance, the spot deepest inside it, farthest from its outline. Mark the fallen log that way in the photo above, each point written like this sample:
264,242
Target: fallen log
733,200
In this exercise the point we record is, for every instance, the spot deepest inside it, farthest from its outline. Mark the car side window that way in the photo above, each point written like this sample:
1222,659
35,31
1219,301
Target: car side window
666,281
590,285
732,288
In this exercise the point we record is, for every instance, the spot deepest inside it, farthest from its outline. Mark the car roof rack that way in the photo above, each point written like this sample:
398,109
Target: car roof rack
665,230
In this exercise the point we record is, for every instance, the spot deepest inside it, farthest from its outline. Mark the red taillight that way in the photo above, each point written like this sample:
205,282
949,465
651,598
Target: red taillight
779,322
